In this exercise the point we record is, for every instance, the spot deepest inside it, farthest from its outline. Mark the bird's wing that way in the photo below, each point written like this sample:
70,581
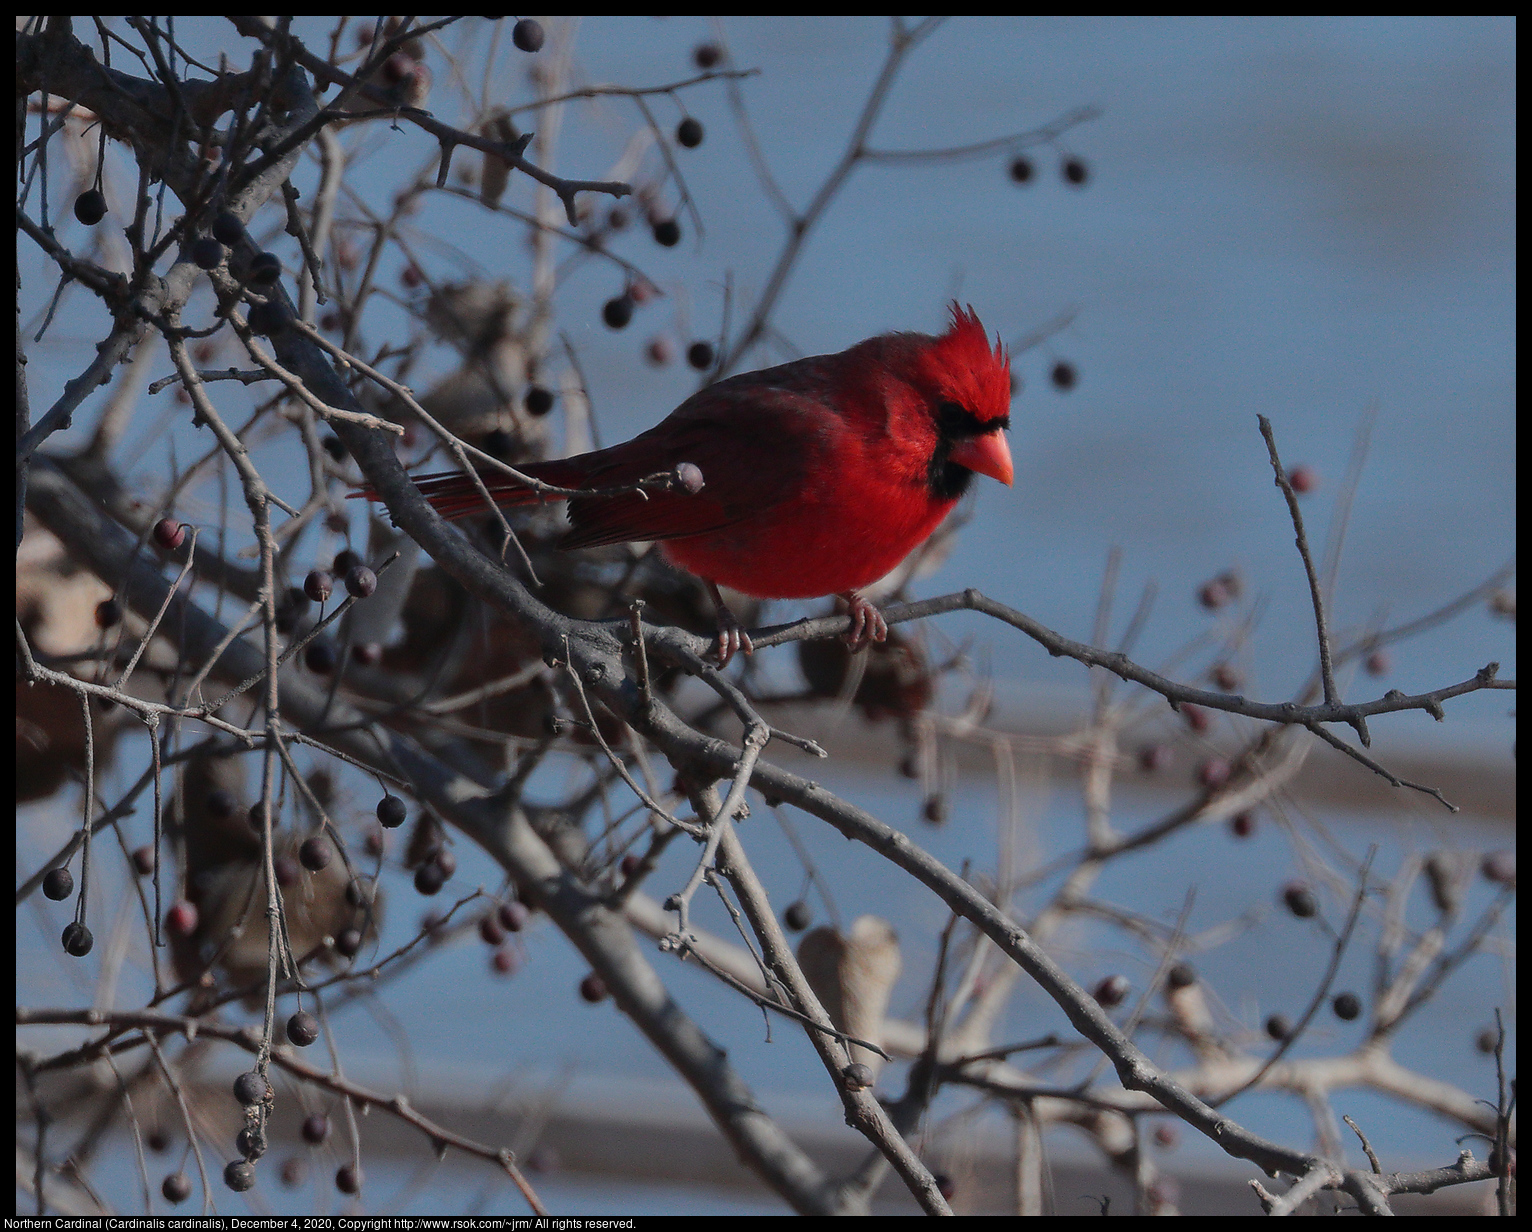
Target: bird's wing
753,441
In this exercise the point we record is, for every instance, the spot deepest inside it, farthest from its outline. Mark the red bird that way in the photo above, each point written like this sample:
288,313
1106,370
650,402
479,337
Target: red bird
817,477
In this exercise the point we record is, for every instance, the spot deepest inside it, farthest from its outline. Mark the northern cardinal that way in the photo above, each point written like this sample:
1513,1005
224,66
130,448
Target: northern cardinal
813,478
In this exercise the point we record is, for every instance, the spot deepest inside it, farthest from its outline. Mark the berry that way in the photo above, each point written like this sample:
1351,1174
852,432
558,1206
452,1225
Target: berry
1021,169
220,804
1226,677
227,229
58,884
143,860
617,218
411,276
265,269
1278,1027
689,132
348,1177
945,1185
514,916
1242,825
1112,991
182,918
391,812
528,36
1063,375
1378,663
108,613
1153,757
1500,867
251,1088
617,312
375,842
446,861
492,930
1213,772
316,1128
90,206
700,355
1300,900
504,961
176,1188
77,939
539,401
658,352
429,878
798,916
239,1176
667,233
286,869
1302,479
251,1143
1074,171
334,447
1167,1136
1181,976
345,561
706,55
1196,717
368,654
207,253
293,1172
1347,1006
858,1076
361,582
359,893
169,534
934,810
315,853
1487,1041
268,319
1213,595
593,988
320,657
303,1028
629,865
318,585
349,942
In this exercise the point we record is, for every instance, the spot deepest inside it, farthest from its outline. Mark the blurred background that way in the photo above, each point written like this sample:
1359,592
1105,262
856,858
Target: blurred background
1307,219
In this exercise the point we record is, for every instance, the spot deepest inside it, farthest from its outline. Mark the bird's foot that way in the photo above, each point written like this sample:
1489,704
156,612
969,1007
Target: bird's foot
731,634
867,623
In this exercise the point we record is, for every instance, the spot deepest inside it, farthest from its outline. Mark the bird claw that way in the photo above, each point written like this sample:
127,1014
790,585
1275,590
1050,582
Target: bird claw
867,623
732,637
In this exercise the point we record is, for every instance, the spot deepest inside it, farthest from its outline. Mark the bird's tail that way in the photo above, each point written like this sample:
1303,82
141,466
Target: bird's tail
454,494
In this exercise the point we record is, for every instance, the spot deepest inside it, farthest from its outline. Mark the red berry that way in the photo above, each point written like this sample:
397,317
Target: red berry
1021,169
667,233
361,582
349,942
318,585
1278,1027
1302,479
239,1176
182,918
539,401
504,961
514,916
207,253
798,916
492,930
1500,867
1167,1135
1378,663
1153,757
593,988
1196,717
320,657
1213,595
429,878
658,352
286,869
227,229
368,654
1226,677
1347,1006
1213,772
1242,825
169,534
945,1185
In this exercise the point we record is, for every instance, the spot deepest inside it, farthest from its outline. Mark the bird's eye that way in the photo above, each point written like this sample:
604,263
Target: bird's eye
952,416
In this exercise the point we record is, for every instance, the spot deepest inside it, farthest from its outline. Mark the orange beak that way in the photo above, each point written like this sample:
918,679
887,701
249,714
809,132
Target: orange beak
986,455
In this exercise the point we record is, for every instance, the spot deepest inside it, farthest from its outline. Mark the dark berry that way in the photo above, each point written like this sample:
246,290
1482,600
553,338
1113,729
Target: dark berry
1500,867
1226,677
207,253
315,853
359,893
689,132
528,36
1302,479
1112,991
348,1177
227,229
303,1028
77,939
798,916
858,1076
617,218
539,401
58,884
268,319
706,55
334,447
629,865
361,582
945,1185
169,534
345,561
239,1176
617,312
1487,1041
220,804
157,1139
1347,1006
700,355
429,878
1213,595
667,233
143,860
934,810
1022,169
320,657
1153,757
318,585
593,988
316,1128
176,1188
1167,1136
251,1143
411,276
1242,825
286,869
1196,717
90,206
1074,171
514,916
265,269
1300,900
1181,976
182,918
1278,1027
368,654
251,1088
492,930
1063,375
108,613
349,942
391,811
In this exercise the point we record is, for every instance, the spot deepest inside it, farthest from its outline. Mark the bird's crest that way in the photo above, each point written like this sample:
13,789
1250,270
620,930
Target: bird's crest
968,369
